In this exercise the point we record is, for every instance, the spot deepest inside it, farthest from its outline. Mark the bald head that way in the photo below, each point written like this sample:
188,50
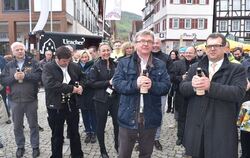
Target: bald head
157,45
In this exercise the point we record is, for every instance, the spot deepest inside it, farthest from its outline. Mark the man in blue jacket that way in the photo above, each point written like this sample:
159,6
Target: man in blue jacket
139,115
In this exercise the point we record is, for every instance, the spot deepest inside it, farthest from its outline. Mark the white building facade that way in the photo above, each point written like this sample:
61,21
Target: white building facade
181,22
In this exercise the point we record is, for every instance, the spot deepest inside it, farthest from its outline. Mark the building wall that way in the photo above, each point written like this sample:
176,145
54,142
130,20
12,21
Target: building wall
176,37
14,25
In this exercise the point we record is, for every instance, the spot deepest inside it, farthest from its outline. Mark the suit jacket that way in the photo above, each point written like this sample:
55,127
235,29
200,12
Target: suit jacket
212,117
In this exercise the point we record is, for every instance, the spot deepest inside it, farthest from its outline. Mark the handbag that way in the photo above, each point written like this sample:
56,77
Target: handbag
243,121
3,112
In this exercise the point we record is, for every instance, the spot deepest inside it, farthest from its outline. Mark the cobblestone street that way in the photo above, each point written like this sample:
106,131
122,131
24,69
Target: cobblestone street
168,138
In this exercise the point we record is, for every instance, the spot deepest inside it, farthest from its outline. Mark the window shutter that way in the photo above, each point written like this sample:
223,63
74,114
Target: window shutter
170,23
195,23
183,1
207,1
171,1
182,21
205,24
198,2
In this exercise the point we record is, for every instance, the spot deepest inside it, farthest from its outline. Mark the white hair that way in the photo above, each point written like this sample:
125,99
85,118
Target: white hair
13,45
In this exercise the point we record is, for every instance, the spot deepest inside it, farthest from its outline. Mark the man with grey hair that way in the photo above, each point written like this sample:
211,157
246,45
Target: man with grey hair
22,75
141,80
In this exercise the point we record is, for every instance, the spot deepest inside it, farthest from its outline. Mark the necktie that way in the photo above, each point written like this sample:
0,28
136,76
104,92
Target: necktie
212,70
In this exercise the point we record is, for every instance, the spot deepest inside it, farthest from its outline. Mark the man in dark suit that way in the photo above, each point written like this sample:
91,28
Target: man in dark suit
210,130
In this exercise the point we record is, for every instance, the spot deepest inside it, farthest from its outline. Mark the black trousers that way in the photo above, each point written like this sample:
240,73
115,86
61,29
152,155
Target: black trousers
102,110
182,112
56,119
245,144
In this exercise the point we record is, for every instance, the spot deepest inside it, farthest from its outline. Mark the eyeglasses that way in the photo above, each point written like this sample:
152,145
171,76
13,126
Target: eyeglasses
145,42
215,46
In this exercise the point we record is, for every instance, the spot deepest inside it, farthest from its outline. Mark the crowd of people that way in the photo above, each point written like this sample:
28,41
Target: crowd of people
133,83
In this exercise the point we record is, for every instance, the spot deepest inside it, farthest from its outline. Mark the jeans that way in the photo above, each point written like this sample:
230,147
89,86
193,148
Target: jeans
163,104
89,120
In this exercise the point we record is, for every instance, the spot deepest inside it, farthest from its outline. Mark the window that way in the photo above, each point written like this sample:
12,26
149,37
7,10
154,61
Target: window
247,25
223,25
164,3
14,5
189,1
236,4
201,23
224,5
187,23
175,23
157,7
202,1
164,25
176,1
157,28
235,25
247,5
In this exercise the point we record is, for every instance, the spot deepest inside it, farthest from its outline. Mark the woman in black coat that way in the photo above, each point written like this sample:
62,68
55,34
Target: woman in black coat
87,104
105,98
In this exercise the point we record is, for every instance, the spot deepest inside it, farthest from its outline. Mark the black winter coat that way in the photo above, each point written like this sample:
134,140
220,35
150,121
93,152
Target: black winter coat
100,75
52,77
213,116
179,68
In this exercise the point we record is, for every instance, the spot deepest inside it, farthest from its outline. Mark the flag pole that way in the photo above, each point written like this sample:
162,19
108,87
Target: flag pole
51,20
30,15
103,23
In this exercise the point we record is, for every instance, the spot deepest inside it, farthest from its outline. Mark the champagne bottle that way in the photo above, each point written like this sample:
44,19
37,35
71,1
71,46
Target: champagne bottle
142,89
18,70
200,74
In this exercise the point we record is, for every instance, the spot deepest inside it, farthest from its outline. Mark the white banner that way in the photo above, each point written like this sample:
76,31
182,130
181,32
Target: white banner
113,10
45,6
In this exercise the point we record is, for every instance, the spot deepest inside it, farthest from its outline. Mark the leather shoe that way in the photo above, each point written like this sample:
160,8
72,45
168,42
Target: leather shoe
40,128
169,110
1,145
158,145
104,155
93,138
8,121
178,142
20,152
36,152
88,138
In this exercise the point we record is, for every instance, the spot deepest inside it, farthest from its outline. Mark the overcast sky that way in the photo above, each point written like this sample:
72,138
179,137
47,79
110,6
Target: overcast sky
134,6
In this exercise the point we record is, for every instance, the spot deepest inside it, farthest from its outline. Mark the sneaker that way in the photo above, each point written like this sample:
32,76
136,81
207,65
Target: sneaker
88,138
1,145
93,138
158,145
36,152
20,152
